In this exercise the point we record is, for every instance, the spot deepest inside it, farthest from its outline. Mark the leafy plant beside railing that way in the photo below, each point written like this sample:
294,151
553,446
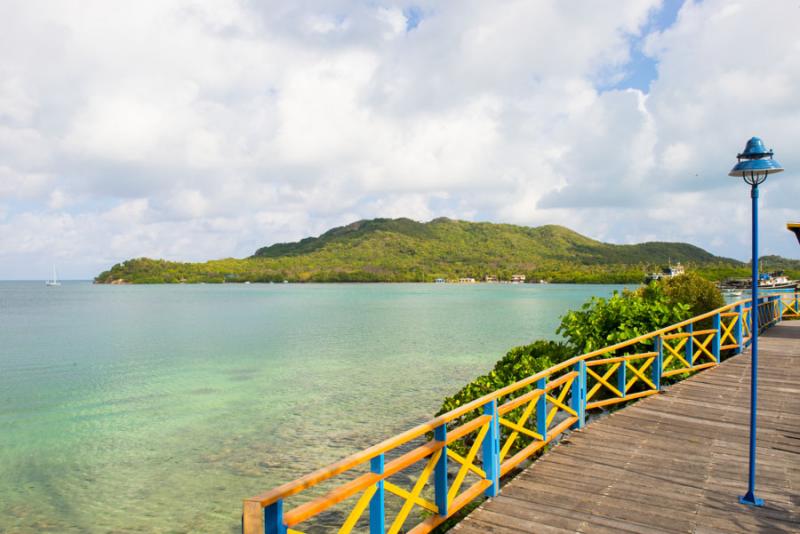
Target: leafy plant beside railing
602,322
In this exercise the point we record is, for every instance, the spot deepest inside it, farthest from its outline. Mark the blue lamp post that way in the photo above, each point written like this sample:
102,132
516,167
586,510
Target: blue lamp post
754,165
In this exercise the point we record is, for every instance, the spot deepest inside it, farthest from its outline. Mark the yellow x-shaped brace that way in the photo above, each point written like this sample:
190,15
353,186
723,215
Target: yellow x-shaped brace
702,348
794,309
639,373
727,330
603,381
519,427
413,497
460,459
559,402
465,466
400,492
674,353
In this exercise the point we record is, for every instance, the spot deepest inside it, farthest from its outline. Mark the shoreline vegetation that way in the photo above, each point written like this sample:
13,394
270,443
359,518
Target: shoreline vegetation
402,250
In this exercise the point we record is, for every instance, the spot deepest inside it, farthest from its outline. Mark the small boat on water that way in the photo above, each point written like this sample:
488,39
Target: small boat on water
54,282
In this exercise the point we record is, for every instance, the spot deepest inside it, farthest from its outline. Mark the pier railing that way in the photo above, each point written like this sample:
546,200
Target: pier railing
499,431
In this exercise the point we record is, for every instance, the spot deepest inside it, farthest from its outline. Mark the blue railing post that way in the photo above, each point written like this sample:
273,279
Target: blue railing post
541,409
578,394
658,362
716,341
273,518
780,307
491,449
689,348
622,377
440,471
377,513
738,329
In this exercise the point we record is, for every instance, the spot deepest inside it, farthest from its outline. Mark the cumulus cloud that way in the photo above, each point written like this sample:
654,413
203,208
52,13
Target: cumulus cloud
192,131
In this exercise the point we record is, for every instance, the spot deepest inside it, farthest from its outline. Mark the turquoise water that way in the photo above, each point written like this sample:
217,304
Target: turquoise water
159,408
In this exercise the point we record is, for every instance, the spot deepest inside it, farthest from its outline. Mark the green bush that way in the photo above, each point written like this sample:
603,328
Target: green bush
700,294
602,322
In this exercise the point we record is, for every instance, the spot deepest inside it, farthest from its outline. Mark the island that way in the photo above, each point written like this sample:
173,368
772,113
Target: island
403,250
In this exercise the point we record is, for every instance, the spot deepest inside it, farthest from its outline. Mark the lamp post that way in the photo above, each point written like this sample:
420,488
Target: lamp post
754,165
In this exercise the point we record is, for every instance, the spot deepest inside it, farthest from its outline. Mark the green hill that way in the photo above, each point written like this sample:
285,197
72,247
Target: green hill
778,263
402,250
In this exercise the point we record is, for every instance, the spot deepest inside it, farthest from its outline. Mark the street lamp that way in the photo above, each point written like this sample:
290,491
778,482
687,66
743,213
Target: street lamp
754,165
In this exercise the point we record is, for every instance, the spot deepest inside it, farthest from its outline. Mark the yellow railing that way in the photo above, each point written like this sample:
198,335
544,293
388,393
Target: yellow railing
499,431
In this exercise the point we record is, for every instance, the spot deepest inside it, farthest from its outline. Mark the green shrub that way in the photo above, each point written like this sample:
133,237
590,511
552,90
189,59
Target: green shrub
701,295
602,322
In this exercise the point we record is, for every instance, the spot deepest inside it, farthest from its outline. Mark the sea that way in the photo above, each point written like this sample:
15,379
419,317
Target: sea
159,408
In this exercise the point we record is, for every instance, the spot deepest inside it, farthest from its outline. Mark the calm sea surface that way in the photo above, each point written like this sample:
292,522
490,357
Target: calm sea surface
159,408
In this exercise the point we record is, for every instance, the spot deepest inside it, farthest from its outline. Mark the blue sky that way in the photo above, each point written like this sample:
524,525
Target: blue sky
641,69
197,130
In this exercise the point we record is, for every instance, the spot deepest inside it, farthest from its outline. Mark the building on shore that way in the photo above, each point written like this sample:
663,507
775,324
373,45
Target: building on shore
517,278
489,278
466,280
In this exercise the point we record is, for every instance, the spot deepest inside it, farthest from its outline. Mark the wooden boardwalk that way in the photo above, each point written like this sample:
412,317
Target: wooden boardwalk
674,462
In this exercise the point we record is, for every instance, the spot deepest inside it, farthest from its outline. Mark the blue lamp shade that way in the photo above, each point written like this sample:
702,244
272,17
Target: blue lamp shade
758,166
755,159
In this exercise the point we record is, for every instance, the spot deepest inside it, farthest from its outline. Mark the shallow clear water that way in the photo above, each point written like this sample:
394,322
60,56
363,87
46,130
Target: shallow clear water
159,408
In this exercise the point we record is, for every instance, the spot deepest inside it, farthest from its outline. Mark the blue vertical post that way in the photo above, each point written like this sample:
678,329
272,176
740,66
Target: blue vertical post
750,496
689,348
738,329
273,518
717,321
491,450
578,394
780,307
377,515
541,409
440,471
622,377
658,362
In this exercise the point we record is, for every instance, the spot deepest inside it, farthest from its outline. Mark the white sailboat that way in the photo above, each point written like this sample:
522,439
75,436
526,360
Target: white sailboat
54,281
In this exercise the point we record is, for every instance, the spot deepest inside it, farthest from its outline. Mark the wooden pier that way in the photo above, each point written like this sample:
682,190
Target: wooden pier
672,462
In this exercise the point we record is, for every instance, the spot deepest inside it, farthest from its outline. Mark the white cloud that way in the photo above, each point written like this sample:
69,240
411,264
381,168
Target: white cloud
193,131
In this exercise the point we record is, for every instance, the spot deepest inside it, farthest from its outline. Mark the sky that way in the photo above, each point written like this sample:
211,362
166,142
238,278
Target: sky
192,130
